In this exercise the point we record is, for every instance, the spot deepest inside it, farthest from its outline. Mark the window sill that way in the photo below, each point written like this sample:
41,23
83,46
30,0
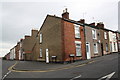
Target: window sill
77,38
78,56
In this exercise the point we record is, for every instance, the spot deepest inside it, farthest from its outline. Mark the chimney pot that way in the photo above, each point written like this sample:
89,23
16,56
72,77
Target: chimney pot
65,14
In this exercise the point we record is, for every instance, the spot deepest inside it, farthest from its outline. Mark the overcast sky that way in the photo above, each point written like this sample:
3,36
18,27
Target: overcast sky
18,18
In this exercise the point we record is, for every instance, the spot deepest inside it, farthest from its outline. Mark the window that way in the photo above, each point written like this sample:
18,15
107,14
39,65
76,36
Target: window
114,47
94,34
40,52
105,35
77,31
40,37
110,47
106,47
95,48
119,46
78,49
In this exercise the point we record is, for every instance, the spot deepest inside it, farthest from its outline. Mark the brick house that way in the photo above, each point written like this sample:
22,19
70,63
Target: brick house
17,48
118,40
27,44
93,46
12,53
7,56
60,40
113,41
104,39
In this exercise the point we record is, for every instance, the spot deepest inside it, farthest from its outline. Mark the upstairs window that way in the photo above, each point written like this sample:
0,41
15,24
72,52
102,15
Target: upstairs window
77,31
94,34
105,35
40,37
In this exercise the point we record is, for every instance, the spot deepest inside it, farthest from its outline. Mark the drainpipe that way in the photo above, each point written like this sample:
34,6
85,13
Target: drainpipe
85,41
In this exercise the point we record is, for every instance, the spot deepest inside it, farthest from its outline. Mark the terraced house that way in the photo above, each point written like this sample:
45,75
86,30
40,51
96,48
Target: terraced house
113,41
104,39
118,40
27,44
60,39
93,46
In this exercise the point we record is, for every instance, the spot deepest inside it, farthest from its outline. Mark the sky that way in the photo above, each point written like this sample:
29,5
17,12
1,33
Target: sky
18,17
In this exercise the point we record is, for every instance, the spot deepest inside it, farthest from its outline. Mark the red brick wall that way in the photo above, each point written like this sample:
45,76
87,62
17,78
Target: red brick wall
7,56
69,41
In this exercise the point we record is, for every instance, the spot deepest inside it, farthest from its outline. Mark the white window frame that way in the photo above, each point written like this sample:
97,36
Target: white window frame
40,52
106,47
41,37
95,51
77,30
105,35
114,44
94,34
78,43
111,47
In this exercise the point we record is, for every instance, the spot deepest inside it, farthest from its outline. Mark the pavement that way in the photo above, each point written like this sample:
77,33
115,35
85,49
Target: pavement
34,66
42,66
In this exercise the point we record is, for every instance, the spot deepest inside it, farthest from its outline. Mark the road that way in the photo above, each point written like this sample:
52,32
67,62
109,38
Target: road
100,68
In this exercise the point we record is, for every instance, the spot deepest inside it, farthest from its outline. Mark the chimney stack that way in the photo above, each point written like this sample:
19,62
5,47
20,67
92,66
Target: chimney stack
92,24
65,14
34,32
82,21
100,25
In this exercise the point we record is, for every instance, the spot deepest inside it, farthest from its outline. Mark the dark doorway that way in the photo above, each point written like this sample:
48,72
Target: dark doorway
102,48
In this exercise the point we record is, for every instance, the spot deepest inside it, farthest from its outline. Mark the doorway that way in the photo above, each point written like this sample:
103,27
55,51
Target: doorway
88,50
47,56
102,49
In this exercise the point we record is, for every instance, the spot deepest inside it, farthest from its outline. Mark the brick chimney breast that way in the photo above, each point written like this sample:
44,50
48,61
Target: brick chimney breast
65,14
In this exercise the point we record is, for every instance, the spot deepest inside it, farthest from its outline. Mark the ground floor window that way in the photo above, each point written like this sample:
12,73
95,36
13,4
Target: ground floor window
119,46
95,48
114,47
78,49
110,47
106,47
40,52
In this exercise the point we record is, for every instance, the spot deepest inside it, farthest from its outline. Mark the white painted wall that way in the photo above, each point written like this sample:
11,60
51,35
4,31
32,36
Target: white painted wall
12,53
112,39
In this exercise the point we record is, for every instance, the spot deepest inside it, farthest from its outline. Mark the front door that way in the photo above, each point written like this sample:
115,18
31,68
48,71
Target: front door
88,50
47,56
102,49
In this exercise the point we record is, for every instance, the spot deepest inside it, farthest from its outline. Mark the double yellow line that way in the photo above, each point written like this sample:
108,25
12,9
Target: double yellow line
68,67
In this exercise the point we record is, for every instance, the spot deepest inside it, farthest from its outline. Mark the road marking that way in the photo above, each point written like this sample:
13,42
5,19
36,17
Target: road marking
10,68
6,75
107,76
76,77
68,67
